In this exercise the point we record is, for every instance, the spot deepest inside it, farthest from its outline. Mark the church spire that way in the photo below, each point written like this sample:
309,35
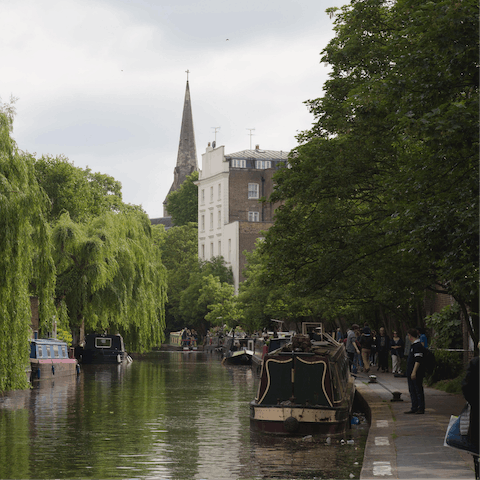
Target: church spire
187,151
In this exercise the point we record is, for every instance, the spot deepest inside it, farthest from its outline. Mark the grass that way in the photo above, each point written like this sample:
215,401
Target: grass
453,385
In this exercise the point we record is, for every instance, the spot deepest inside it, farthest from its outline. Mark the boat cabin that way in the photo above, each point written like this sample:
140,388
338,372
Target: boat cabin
102,348
49,358
48,348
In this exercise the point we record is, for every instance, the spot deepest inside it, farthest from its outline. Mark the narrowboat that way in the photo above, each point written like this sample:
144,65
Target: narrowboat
238,351
103,348
305,388
267,344
49,359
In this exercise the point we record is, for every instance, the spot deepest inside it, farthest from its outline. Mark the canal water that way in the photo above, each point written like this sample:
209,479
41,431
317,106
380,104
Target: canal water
169,415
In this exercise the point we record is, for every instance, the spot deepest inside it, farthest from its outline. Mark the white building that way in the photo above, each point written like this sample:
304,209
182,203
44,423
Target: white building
230,215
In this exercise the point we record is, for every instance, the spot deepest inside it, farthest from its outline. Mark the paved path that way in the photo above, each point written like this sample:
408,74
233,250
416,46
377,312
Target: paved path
410,446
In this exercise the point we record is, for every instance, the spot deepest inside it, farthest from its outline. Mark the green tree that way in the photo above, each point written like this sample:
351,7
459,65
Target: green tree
109,270
182,204
381,197
110,276
25,260
222,303
80,192
207,285
179,251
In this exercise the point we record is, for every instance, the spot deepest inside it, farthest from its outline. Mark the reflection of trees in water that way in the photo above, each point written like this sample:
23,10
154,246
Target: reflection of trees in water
169,415
14,438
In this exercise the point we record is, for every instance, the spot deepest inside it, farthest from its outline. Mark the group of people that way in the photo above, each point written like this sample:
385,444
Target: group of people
189,337
413,348
366,348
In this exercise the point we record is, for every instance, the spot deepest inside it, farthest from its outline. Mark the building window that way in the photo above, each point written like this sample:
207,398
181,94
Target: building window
211,220
263,164
219,248
219,219
253,190
203,251
239,163
253,217
203,223
211,194
229,249
219,191
211,249
203,196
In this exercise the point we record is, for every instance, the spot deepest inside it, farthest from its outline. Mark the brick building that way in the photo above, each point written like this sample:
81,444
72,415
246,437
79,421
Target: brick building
230,215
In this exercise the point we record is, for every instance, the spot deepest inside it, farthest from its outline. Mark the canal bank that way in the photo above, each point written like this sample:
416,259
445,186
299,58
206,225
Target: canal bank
401,446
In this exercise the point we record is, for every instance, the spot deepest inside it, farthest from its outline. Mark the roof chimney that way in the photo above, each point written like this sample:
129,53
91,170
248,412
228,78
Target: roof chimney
257,147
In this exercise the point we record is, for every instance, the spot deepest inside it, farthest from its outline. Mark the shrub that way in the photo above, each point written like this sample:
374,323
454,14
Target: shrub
449,365
446,326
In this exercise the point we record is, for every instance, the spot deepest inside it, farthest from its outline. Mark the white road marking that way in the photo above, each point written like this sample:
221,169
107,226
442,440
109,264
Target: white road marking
380,469
382,423
381,441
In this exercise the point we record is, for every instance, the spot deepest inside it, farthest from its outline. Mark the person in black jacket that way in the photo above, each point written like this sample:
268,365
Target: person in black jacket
383,348
415,373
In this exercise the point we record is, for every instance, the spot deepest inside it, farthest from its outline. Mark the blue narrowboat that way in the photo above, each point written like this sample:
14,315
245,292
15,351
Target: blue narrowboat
103,349
49,359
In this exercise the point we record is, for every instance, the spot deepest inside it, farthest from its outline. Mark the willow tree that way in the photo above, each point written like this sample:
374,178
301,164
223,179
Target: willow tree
110,276
25,258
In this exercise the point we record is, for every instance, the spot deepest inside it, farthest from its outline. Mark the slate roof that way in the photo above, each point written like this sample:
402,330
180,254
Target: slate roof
258,154
166,221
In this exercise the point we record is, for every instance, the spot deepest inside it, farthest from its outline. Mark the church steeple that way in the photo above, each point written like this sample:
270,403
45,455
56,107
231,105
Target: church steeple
187,151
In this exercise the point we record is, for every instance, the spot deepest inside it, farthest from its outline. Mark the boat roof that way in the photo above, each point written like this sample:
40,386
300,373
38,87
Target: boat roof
327,346
47,341
103,335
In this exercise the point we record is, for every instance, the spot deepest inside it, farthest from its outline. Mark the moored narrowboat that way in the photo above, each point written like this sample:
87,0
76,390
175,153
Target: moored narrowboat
238,351
305,388
103,348
49,358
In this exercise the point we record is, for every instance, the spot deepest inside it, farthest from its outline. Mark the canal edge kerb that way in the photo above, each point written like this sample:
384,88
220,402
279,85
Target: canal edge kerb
380,455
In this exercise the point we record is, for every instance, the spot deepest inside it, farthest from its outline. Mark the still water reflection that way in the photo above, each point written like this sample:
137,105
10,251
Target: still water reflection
172,415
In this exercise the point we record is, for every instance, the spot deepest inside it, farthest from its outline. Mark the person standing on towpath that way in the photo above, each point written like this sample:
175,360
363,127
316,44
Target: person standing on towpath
415,373
366,343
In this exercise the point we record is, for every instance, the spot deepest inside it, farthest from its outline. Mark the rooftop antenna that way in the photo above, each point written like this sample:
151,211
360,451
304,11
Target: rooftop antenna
187,72
251,134
216,130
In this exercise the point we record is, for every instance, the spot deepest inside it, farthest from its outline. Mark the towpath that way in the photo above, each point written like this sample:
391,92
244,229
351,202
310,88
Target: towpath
401,446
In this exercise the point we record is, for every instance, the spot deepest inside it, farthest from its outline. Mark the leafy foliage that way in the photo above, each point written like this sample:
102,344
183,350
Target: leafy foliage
448,365
182,204
209,284
110,276
178,247
25,260
109,270
380,200
81,193
447,327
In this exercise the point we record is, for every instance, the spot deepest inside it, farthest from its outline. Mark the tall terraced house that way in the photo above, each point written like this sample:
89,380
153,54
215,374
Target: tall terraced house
230,215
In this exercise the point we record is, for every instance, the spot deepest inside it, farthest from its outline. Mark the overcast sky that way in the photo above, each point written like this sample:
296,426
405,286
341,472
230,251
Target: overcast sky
103,81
